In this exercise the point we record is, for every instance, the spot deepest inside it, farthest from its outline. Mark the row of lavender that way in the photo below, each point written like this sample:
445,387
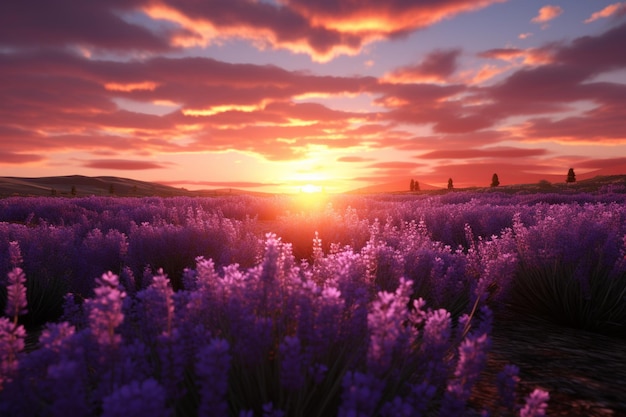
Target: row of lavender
345,332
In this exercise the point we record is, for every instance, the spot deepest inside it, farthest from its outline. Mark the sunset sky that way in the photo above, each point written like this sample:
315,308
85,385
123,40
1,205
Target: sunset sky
272,95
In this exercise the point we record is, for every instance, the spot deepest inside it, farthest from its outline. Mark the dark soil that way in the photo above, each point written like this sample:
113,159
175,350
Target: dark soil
584,372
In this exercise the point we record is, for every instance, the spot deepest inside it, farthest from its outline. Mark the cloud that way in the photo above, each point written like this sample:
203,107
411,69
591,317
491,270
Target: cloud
525,35
122,164
353,159
12,158
224,184
394,165
480,173
387,18
65,23
495,152
614,9
547,13
237,105
533,56
602,163
437,66
559,92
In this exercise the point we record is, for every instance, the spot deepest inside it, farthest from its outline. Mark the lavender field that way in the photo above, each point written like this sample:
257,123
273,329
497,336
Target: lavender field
380,305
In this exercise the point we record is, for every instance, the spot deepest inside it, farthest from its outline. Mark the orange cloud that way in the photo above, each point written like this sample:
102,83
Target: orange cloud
221,109
547,13
320,29
382,18
146,85
610,10
535,56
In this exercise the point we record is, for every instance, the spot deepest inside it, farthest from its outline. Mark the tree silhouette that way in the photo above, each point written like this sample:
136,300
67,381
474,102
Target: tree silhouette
495,181
412,186
417,186
450,185
571,177
111,189
73,190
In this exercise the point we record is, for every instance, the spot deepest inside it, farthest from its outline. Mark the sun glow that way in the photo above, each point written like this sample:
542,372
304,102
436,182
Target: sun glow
311,197
311,189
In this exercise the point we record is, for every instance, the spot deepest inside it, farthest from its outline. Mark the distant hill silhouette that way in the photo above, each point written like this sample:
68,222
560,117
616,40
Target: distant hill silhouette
98,186
125,187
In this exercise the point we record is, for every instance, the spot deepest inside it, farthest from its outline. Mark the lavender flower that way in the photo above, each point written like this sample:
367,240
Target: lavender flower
420,396
11,343
157,305
435,344
15,254
172,362
212,367
145,398
54,335
291,376
472,359
16,294
328,321
69,393
269,411
386,321
398,407
105,310
73,312
507,380
361,394
536,404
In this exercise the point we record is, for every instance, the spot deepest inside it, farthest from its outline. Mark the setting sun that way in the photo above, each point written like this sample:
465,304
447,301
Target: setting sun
311,189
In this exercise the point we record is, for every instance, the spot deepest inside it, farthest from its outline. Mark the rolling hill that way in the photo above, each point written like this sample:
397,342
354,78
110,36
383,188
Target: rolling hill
81,186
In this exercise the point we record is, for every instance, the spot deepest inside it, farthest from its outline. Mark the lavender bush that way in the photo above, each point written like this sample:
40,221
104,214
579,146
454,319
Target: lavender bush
388,312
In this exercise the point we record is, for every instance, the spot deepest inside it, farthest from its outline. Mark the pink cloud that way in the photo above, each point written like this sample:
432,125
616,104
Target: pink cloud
222,184
495,152
11,158
614,9
394,165
603,163
122,164
547,13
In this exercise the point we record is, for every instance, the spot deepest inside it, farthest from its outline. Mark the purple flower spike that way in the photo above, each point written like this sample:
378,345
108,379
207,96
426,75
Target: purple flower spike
105,310
212,367
15,254
145,398
291,376
16,294
54,334
536,404
472,359
507,380
361,394
11,343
